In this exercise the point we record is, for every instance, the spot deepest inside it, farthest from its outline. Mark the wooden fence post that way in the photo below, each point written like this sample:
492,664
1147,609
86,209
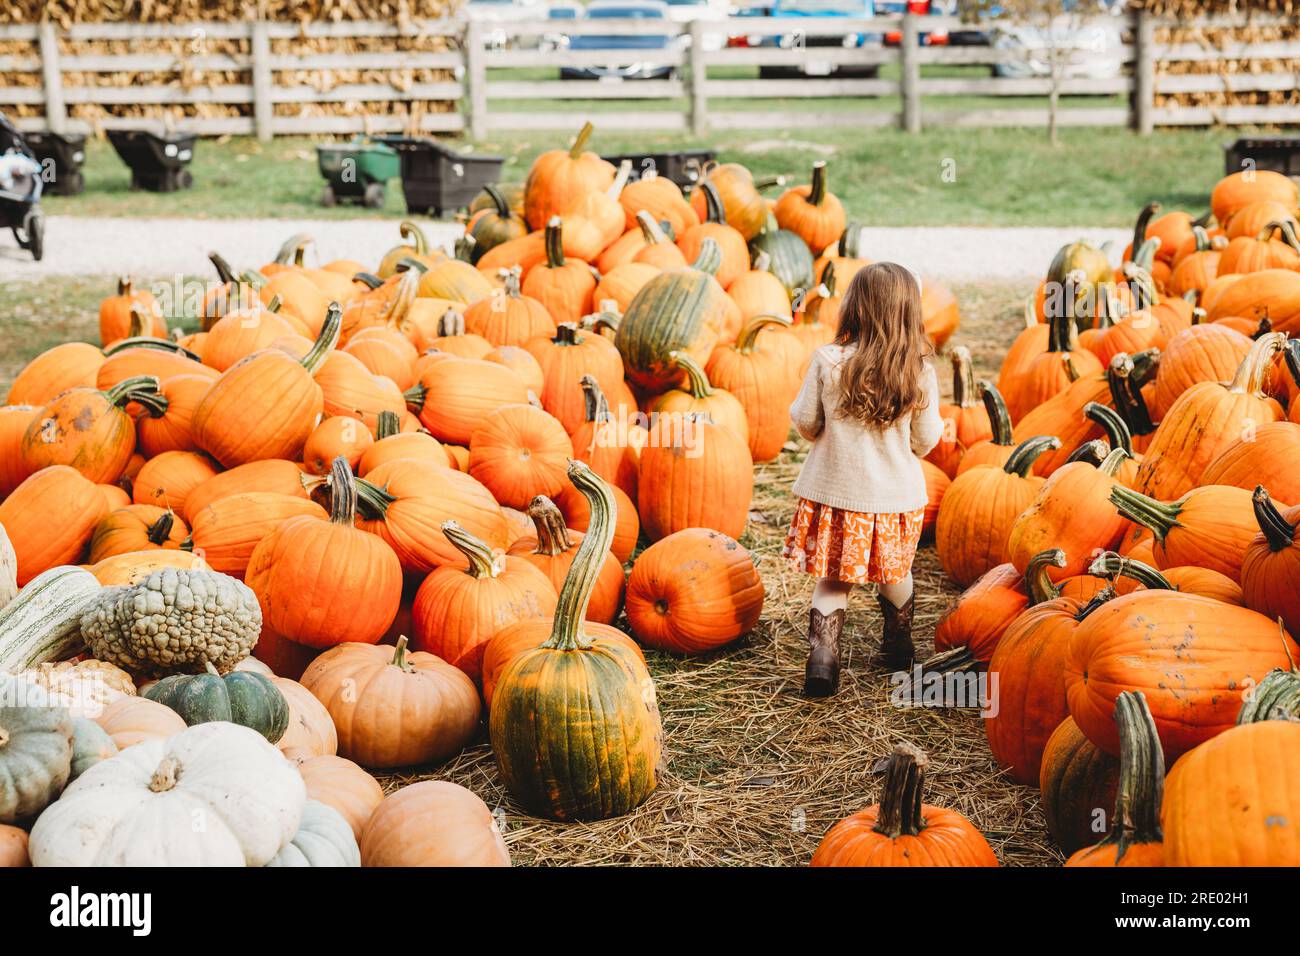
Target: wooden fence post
1144,71
56,111
475,80
263,107
699,80
909,74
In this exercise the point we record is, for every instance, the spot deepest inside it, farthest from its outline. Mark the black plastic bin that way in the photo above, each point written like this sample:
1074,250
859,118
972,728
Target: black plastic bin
67,153
685,167
157,162
1280,154
436,179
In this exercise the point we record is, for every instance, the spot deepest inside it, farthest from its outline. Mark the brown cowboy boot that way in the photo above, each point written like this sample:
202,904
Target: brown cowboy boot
822,675
896,650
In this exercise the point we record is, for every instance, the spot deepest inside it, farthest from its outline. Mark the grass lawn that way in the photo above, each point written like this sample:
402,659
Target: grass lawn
755,773
1003,177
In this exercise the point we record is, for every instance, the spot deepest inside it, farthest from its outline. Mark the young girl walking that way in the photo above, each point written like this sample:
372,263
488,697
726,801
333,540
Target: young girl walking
870,406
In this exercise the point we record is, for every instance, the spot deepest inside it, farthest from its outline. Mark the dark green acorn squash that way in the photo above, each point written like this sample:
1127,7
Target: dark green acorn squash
240,697
789,258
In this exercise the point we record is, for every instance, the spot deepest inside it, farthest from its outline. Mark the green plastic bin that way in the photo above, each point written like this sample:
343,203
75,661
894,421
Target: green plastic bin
357,172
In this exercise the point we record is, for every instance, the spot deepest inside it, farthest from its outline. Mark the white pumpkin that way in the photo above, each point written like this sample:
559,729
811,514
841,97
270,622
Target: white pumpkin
8,569
216,794
324,838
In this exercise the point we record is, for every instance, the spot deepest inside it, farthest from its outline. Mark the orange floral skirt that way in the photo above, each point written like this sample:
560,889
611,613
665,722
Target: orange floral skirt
852,546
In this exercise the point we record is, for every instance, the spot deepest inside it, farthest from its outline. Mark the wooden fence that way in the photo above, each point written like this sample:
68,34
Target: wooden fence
480,67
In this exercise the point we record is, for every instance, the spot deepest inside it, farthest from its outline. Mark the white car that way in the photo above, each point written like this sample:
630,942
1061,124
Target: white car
1087,49
685,11
493,12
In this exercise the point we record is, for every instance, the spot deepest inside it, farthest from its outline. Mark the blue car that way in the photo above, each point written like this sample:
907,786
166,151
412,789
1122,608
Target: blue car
815,30
649,42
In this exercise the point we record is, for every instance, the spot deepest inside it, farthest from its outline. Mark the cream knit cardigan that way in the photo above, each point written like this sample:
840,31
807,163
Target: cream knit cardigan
856,467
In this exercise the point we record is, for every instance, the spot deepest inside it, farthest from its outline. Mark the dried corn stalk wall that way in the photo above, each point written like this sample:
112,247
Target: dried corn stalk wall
192,74
1284,68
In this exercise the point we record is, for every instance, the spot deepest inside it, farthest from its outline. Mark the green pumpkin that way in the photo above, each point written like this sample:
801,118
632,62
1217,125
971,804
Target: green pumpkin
35,750
240,697
90,744
679,311
789,258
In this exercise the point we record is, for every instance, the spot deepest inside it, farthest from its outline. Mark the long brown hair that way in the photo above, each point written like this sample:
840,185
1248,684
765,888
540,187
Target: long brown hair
882,380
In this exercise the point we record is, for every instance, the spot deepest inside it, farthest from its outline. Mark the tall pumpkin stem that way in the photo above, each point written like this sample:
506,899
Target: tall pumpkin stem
653,233
900,801
999,417
141,322
575,593
1092,452
580,141
1028,452
1140,792
713,209
1278,532
1111,565
827,281
747,341
1255,367
388,425
595,405
499,201
710,258
415,235
554,240
964,394
482,562
1112,424
343,493
1140,226
160,530
408,287
697,381
1126,393
1060,333
325,342
1038,583
817,191
399,656
144,389
552,533
224,273
294,249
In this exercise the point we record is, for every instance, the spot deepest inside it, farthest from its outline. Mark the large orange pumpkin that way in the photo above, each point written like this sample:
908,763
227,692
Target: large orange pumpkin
611,444
692,592
701,398
811,212
1210,526
227,531
519,452
453,396
567,356
508,317
558,175
1270,567
432,823
734,252
358,570
694,474
116,313
70,365
758,369
50,518
14,422
136,528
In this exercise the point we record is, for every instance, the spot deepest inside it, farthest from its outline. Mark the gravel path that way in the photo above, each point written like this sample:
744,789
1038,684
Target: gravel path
159,247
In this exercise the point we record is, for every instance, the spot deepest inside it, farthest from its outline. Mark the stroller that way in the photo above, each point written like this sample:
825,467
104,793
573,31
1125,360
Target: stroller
20,190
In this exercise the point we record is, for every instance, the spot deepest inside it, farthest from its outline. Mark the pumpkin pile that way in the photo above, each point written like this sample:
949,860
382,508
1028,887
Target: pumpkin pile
1122,508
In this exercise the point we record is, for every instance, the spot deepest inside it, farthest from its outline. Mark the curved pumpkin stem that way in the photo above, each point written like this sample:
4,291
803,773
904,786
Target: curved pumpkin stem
964,393
901,798
713,208
817,190
343,492
827,288
554,243
580,141
604,319
654,233
1112,423
325,342
143,389
224,272
368,279
1093,452
595,404
747,341
552,533
1028,452
1278,532
1126,393
294,248
1110,465
150,342
415,235
1038,584
1111,565
141,322
408,287
1258,363
1289,234
1140,792
698,385
710,258
1276,697
575,594
387,425
411,264
1140,227
999,417
482,562
160,530
620,179
1159,516
498,198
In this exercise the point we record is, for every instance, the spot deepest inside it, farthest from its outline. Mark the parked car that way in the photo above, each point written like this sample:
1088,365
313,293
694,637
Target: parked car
1092,48
896,8
492,13
650,69
816,29
714,11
